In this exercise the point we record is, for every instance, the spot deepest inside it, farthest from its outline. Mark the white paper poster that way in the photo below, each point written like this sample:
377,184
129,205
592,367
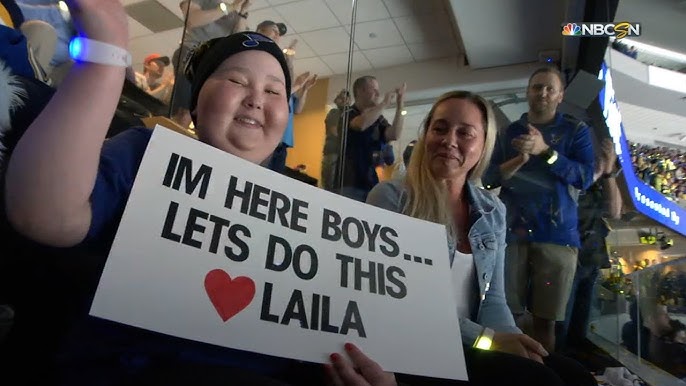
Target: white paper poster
215,249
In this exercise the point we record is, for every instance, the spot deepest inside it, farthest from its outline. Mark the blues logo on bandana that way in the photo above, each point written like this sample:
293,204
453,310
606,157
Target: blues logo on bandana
253,40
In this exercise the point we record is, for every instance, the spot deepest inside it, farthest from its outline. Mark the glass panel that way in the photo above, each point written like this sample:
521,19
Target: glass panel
639,311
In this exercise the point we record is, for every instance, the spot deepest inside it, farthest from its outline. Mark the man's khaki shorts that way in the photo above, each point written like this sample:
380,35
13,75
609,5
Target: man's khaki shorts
539,277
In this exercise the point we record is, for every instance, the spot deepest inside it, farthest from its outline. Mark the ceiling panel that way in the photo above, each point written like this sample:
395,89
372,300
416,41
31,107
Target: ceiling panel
154,16
328,41
424,28
388,56
163,43
435,50
308,15
258,16
313,65
367,10
505,32
375,34
302,49
339,62
658,19
398,8
137,29
172,5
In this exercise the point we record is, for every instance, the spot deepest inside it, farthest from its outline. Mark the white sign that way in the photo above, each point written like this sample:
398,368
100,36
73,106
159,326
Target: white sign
215,249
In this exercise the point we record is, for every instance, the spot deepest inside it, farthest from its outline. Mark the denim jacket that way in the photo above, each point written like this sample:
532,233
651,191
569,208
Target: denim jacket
487,239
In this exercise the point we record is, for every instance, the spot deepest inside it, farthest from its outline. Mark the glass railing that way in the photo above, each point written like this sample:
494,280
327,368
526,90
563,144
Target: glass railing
639,312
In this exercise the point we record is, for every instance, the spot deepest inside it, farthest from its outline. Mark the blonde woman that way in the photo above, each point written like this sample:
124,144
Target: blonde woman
440,186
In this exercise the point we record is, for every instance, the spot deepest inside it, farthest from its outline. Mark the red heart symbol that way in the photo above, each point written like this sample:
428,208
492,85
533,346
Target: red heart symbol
228,296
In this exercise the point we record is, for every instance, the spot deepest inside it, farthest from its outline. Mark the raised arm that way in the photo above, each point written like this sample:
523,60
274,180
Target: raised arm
301,94
53,168
369,115
605,170
198,17
399,119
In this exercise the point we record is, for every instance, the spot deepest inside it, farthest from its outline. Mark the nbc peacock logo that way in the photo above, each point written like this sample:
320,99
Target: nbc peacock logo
617,30
571,29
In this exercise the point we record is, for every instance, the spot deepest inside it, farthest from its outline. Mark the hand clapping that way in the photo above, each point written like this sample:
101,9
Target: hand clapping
531,143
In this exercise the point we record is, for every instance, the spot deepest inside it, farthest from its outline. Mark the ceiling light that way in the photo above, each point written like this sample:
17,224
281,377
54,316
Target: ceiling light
404,112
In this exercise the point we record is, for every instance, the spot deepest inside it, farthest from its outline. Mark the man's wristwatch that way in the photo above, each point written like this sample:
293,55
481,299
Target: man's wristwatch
550,156
614,174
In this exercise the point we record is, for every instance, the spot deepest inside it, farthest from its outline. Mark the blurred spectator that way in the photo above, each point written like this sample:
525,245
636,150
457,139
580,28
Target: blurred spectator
662,168
600,201
16,52
205,20
155,80
368,131
541,162
630,51
50,12
301,86
332,140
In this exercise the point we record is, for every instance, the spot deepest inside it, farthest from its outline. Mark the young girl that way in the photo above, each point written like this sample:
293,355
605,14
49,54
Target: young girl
66,187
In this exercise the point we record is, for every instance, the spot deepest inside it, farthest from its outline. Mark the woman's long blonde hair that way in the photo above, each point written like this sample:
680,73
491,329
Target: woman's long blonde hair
428,196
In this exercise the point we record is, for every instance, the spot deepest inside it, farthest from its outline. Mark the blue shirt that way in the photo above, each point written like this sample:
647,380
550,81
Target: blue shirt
288,137
123,348
359,152
541,199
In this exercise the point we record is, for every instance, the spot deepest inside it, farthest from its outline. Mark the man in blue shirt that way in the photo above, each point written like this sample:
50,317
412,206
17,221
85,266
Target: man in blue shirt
369,131
541,162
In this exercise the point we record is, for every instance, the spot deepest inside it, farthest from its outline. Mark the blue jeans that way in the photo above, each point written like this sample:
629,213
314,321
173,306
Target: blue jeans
575,326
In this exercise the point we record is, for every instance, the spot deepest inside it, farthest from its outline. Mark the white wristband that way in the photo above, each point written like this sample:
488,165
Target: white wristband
224,8
87,50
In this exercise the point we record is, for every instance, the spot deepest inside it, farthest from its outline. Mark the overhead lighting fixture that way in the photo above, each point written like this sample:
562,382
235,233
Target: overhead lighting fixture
404,112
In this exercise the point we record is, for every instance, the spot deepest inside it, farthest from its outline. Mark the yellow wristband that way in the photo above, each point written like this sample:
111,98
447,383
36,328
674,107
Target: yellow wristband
485,340
553,158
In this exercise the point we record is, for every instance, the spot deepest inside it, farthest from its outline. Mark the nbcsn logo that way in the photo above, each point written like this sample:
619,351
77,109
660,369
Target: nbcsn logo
618,30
